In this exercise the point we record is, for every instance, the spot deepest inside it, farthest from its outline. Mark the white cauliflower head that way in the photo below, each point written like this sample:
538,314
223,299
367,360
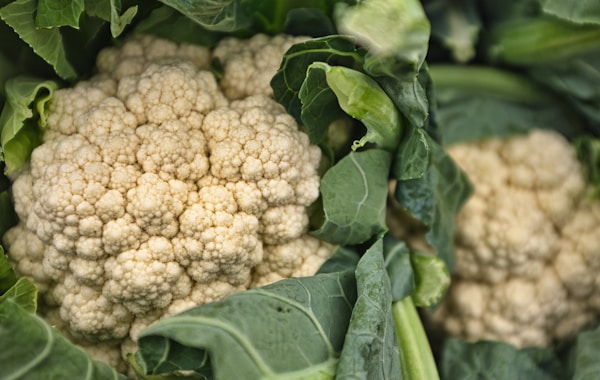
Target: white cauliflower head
152,193
249,65
527,244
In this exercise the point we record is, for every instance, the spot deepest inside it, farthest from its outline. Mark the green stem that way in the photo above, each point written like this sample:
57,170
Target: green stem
488,81
541,41
416,358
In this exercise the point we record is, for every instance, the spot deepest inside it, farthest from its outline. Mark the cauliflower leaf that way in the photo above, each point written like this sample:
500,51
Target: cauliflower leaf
252,329
36,347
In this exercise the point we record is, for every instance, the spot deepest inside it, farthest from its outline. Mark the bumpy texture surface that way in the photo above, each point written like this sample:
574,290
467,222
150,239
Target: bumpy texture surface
153,193
527,244
250,64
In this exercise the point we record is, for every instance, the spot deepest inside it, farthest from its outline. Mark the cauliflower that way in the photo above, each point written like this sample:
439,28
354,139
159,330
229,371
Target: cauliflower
527,244
250,64
153,192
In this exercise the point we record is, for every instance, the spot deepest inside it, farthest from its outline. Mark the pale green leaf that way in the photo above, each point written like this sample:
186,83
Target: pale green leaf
292,329
55,13
38,351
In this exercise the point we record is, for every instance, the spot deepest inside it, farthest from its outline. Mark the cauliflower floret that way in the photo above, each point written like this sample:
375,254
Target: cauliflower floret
527,243
255,140
138,52
250,64
297,258
155,194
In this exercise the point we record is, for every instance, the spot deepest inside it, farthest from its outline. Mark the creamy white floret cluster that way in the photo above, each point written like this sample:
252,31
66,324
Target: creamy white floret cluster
157,188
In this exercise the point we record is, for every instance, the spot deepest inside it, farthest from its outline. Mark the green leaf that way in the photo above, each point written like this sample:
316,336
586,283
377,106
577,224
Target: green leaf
216,15
23,293
578,81
319,105
361,97
411,159
431,279
8,217
354,193
7,274
477,102
167,23
488,360
292,329
21,118
435,199
245,15
39,351
308,22
118,20
55,13
399,268
343,259
456,24
370,351
47,43
580,12
588,152
586,353
333,50
395,32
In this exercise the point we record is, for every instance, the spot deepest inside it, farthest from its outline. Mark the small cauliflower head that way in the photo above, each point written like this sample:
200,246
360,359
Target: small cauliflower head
249,65
153,193
527,245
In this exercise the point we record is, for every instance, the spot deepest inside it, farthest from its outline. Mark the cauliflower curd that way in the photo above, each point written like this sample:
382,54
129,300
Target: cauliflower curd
154,191
527,244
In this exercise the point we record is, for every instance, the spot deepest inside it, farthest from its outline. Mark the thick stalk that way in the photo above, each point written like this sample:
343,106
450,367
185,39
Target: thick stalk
488,81
416,358
541,41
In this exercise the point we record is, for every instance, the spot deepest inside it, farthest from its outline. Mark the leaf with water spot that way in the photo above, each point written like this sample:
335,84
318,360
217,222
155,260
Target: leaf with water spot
292,329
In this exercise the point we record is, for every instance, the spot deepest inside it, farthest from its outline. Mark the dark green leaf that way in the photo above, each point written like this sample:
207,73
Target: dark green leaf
21,118
411,159
370,349
577,80
333,50
292,329
435,199
319,105
586,352
217,15
308,22
47,43
488,360
588,152
55,13
477,102
399,268
39,352
165,22
8,217
354,193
